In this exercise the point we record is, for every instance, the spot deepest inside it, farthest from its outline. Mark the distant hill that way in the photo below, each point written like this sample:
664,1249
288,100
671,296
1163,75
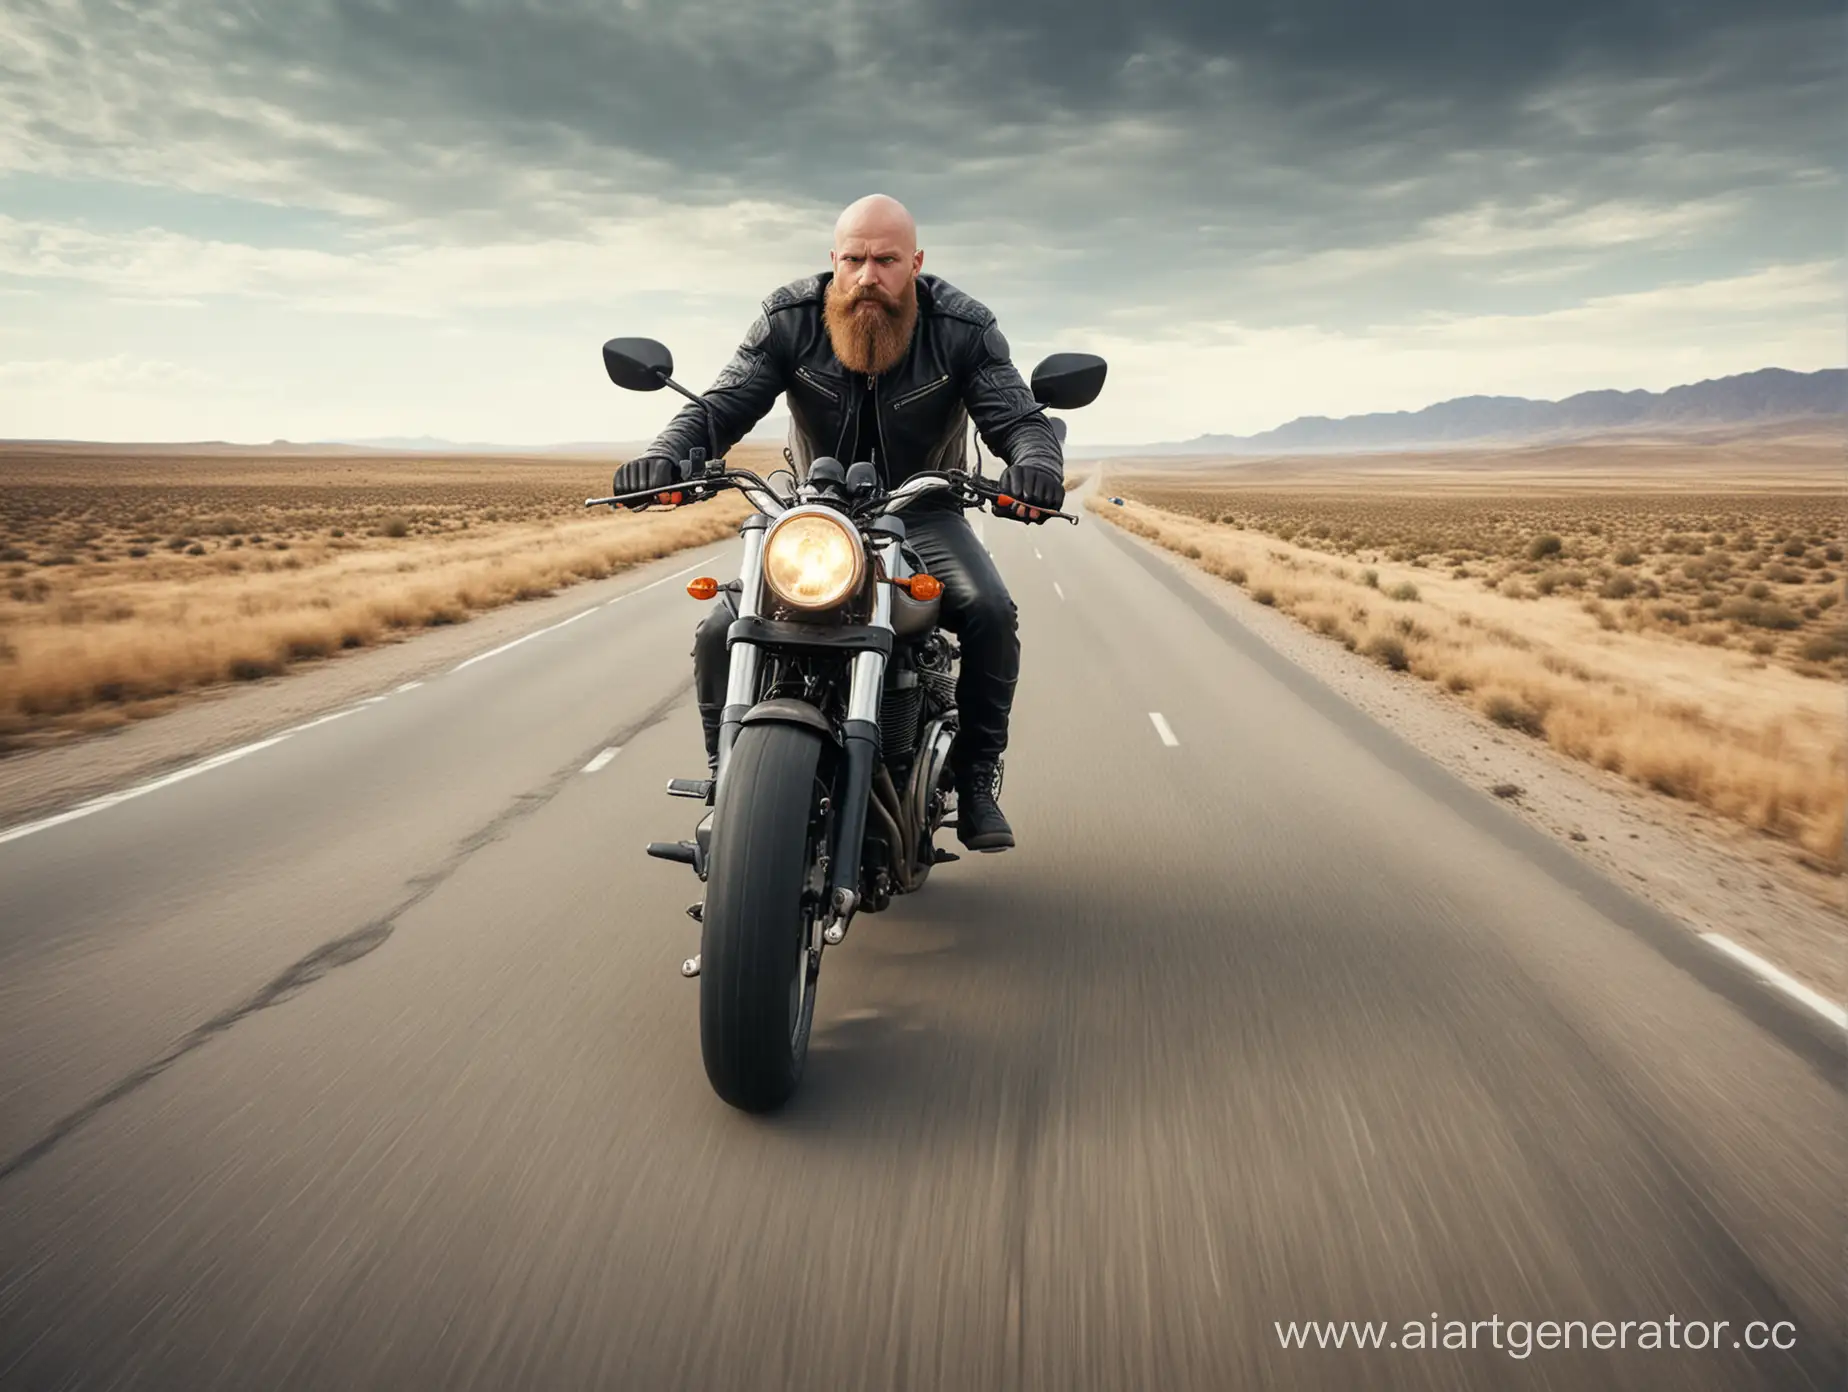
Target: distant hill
1769,394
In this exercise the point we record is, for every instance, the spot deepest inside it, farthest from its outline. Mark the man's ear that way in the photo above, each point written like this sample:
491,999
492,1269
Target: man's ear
917,261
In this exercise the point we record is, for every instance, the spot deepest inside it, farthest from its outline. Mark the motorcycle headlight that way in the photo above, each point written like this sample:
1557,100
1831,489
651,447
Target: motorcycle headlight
813,560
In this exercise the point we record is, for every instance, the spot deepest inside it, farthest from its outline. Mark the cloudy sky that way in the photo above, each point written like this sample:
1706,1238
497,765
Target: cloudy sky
336,218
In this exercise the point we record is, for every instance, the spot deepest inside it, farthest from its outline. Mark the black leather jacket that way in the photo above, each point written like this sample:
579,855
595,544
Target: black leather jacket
956,370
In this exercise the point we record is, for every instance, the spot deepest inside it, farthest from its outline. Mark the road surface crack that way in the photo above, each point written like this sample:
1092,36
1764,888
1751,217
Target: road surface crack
331,955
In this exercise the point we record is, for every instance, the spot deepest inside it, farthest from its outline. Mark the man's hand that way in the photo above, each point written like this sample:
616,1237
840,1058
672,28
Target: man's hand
649,472
1036,490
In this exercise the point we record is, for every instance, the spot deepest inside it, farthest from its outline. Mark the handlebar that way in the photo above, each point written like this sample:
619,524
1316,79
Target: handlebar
971,489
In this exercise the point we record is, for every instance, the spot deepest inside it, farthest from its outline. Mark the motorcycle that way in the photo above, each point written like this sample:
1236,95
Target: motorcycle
833,771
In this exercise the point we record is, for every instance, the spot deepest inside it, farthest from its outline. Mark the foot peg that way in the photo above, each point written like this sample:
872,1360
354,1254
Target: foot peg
944,857
680,852
697,912
699,789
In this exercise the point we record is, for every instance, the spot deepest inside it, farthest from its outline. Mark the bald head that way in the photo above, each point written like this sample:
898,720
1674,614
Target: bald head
877,216
876,248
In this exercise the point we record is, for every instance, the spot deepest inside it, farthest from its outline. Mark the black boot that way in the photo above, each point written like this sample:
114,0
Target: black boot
709,722
979,823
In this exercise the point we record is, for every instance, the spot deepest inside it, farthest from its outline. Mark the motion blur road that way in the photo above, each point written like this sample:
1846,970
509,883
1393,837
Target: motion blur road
363,1061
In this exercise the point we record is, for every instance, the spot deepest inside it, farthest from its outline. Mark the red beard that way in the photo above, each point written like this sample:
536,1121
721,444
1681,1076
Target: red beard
870,340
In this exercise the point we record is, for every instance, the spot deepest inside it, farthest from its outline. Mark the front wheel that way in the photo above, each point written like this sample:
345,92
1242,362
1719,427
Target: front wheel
757,980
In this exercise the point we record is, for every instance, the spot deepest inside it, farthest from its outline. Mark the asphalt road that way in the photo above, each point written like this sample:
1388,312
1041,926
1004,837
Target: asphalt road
362,1061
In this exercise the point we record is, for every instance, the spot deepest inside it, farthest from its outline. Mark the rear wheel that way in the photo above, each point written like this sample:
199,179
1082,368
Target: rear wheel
757,979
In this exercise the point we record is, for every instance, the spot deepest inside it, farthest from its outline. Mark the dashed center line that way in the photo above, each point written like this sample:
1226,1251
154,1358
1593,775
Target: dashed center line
1164,729
1036,554
1056,590
602,758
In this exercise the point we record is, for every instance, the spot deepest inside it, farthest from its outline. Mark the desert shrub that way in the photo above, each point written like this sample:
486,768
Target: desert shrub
1543,546
1370,578
1404,590
1628,556
1514,713
1618,586
1826,646
394,527
1759,613
1388,650
1264,594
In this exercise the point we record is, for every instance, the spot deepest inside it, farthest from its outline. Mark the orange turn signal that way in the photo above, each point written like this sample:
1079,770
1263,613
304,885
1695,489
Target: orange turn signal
705,587
1004,501
925,587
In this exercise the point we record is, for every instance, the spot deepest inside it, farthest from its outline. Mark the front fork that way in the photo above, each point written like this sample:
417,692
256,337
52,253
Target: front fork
744,659
859,734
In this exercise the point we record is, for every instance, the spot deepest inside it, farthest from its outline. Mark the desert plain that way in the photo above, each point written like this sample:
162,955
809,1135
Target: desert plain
133,576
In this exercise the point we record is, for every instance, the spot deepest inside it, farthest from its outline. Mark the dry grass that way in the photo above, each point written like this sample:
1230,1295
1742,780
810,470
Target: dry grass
1676,625
131,578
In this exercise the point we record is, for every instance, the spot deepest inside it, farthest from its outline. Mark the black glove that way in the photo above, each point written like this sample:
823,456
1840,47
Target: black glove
648,472
1035,486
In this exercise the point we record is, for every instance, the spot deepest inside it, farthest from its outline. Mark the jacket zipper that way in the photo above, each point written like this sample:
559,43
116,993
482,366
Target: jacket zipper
818,384
885,455
925,390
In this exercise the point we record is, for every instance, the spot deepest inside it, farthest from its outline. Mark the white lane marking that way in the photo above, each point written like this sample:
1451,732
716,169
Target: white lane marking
581,614
527,638
321,720
408,686
112,799
603,758
374,700
639,589
1164,729
1762,969
1036,554
1056,590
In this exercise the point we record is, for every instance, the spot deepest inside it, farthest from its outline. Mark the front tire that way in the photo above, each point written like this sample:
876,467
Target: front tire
756,980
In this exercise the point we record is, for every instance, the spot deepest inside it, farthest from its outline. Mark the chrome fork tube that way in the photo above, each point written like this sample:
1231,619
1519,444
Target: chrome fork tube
860,740
743,658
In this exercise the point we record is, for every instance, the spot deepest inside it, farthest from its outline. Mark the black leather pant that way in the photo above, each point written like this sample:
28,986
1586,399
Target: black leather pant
976,608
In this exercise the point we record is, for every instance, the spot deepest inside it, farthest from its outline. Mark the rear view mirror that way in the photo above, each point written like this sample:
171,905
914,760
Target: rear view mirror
638,364
1066,381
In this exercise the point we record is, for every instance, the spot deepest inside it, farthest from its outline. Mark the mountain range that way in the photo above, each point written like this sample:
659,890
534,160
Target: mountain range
1769,394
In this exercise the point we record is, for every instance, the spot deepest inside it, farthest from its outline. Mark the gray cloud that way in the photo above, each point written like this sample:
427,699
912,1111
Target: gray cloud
1321,162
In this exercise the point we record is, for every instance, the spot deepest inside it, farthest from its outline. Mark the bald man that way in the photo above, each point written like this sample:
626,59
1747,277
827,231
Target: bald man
883,363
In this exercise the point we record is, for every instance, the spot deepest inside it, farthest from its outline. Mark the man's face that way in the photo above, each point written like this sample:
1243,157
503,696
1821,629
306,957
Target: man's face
881,266
872,303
